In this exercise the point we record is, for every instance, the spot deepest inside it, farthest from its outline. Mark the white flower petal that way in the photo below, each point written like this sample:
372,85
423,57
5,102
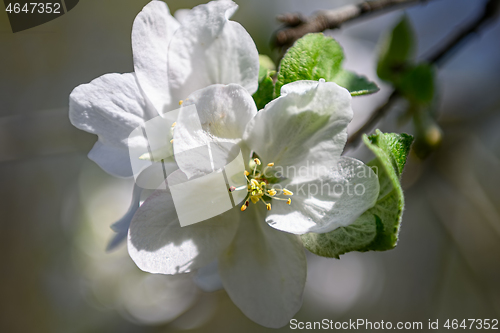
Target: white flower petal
199,199
215,116
110,106
334,200
305,127
208,279
264,271
298,87
151,34
209,49
158,244
112,159
121,226
180,14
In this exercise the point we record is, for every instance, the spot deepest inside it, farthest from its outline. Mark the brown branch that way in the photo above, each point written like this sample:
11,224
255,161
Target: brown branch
297,26
450,46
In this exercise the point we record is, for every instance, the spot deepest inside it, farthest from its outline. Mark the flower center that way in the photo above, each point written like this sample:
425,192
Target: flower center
260,188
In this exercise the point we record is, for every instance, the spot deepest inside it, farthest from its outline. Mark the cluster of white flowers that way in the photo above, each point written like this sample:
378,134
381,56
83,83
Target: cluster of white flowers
208,61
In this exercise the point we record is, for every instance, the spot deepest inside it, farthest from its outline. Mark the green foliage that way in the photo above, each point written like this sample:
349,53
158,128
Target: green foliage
265,91
397,51
357,84
417,84
315,57
414,81
396,65
376,229
354,237
266,65
428,133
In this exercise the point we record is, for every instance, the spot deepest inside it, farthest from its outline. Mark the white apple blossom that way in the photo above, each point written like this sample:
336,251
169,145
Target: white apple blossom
262,265
171,60
253,250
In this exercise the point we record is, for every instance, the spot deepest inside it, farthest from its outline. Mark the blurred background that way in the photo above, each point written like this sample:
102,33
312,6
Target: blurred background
56,205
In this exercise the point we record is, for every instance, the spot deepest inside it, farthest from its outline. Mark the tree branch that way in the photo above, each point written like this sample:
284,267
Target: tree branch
437,58
297,26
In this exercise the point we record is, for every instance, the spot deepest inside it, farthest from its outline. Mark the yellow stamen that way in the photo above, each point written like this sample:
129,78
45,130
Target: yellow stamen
172,141
246,173
180,102
254,182
257,161
289,201
244,206
268,206
175,123
287,192
270,164
272,192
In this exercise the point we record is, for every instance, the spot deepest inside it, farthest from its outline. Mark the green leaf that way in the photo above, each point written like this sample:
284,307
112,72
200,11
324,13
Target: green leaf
391,151
417,84
376,229
356,84
397,51
265,91
312,57
266,65
344,239
315,57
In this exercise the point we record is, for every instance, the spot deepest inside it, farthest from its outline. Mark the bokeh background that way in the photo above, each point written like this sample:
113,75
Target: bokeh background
56,205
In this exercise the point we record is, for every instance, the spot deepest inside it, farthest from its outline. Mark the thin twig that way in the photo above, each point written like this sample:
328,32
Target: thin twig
490,11
297,26
450,46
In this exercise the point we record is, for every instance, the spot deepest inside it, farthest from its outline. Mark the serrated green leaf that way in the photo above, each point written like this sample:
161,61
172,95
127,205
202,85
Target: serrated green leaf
356,84
312,57
391,151
316,56
391,147
376,229
397,51
344,239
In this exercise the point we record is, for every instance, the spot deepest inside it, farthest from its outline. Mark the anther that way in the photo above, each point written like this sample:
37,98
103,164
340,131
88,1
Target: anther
289,201
232,189
175,123
180,102
271,192
270,164
268,206
287,192
257,161
244,206
246,173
